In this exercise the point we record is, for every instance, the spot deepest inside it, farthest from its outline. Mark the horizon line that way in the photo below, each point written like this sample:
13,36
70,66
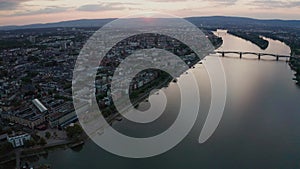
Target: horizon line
228,16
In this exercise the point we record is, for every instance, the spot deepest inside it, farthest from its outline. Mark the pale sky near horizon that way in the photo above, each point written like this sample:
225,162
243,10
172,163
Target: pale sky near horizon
21,12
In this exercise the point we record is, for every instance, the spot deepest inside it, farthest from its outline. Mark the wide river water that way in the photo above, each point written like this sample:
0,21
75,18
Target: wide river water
260,127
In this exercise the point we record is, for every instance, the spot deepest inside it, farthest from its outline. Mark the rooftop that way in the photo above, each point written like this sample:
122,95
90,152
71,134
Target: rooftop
39,105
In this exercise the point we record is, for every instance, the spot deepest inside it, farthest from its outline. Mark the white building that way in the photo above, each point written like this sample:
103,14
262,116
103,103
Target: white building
39,105
18,140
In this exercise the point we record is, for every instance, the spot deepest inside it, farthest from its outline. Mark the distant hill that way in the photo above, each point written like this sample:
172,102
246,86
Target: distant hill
73,23
225,21
216,21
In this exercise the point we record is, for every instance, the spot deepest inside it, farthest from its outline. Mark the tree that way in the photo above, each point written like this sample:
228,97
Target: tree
36,137
47,135
42,142
29,143
26,80
74,132
55,134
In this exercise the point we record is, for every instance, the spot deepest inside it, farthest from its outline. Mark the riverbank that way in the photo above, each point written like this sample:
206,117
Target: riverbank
254,38
28,153
215,40
295,65
137,100
287,38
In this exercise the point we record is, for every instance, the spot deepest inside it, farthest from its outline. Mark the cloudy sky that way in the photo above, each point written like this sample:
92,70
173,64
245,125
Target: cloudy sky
20,12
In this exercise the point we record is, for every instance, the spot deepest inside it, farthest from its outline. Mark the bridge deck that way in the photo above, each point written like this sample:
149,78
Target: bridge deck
252,53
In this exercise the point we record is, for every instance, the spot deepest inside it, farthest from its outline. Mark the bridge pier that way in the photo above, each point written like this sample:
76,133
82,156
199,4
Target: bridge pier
259,55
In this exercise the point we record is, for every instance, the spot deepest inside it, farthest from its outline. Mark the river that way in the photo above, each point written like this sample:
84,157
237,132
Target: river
259,129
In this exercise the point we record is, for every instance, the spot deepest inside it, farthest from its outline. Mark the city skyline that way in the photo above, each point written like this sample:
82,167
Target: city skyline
23,12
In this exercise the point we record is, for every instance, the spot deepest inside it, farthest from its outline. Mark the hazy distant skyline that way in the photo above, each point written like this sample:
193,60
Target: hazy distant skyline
22,12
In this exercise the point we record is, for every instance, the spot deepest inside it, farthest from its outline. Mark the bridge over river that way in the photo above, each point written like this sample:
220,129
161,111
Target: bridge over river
259,55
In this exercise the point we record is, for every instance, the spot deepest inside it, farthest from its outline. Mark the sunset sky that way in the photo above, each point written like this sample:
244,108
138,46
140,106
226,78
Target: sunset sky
20,12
